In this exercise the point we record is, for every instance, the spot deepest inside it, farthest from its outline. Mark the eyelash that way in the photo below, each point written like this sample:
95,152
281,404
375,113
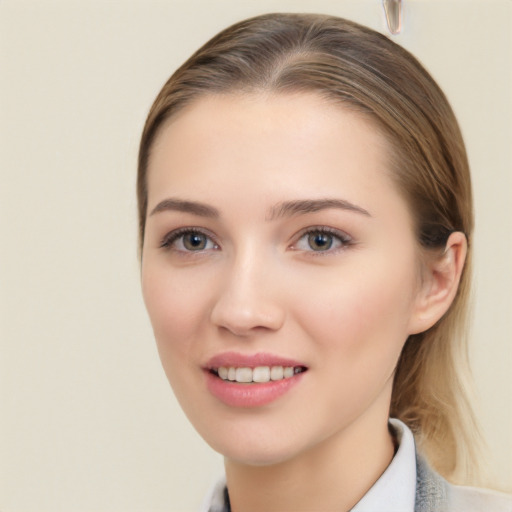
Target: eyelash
343,239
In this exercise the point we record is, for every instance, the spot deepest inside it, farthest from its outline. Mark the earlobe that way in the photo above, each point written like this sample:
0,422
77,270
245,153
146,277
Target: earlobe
439,284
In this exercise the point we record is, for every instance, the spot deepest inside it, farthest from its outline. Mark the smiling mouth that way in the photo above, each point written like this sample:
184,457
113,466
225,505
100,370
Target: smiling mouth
259,374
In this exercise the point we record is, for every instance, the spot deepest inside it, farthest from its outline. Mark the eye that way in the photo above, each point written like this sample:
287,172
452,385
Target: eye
188,240
322,240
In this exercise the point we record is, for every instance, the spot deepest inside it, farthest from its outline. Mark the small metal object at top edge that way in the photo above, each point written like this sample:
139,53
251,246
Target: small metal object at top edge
393,11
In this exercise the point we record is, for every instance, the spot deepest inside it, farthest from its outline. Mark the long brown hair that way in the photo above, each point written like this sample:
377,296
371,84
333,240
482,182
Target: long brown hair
366,72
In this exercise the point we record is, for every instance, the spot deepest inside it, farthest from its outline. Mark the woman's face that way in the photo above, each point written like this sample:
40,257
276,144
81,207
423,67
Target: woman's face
276,240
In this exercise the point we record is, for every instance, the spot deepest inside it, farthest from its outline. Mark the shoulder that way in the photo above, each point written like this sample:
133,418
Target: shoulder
434,493
473,499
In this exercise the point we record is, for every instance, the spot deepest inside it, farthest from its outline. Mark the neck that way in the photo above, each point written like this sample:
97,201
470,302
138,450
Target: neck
333,475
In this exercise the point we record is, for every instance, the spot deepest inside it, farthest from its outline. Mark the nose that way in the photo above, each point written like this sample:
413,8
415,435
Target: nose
248,301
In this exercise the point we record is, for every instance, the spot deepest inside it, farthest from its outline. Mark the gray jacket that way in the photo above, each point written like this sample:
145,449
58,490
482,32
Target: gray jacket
435,494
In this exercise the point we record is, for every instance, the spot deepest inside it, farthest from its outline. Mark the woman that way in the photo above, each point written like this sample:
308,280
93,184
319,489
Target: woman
305,227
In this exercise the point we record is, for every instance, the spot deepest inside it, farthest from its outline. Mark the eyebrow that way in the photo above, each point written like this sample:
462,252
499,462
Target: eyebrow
280,210
179,205
300,207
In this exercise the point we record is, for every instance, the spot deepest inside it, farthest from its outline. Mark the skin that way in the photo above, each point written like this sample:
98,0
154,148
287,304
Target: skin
259,286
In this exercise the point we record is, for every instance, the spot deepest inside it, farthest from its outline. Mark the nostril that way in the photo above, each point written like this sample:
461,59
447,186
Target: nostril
249,319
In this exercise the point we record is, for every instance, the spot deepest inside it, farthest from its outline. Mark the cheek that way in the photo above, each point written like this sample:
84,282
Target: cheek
176,304
358,327
362,314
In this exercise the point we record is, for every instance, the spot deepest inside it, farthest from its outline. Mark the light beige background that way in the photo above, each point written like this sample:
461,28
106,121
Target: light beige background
87,420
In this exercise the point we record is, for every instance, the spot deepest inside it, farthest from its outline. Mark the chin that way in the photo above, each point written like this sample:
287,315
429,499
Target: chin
253,447
259,456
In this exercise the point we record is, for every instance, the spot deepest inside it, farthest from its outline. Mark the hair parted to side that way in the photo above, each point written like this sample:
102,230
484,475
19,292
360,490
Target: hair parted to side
365,71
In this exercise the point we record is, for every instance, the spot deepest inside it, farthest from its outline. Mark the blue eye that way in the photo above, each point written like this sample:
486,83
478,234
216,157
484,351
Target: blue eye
322,240
188,240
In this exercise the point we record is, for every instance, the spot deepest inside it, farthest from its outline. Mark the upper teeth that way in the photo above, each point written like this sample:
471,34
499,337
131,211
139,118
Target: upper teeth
258,374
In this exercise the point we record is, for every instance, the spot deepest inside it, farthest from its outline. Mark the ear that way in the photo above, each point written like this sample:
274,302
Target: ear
440,282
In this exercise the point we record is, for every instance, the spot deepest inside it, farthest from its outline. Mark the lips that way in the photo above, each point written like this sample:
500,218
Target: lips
241,380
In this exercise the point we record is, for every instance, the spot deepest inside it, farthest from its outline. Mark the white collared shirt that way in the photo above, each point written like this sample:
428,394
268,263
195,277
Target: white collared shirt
394,491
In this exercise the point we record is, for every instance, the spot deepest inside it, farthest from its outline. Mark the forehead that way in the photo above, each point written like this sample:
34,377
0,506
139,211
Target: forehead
261,113
268,144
